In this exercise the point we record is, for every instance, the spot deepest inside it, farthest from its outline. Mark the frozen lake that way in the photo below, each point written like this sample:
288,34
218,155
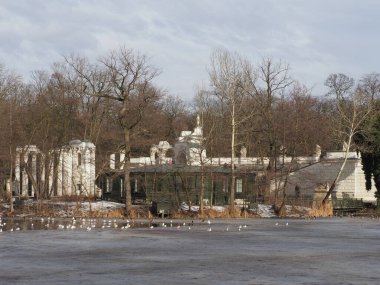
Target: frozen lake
324,251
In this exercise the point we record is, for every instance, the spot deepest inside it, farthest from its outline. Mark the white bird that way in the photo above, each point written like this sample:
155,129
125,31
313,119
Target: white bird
209,230
276,224
178,227
209,222
12,230
227,229
151,227
287,224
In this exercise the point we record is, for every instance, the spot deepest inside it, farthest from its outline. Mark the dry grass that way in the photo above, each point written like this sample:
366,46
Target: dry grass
213,214
323,210
114,213
139,213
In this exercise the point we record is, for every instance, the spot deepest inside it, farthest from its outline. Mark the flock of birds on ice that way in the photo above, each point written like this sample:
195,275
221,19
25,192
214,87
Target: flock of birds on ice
89,224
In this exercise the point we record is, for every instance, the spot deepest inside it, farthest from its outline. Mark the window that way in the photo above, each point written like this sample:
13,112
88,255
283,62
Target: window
239,185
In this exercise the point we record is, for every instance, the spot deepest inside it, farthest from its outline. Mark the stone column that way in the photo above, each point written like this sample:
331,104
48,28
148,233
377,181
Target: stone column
122,157
59,176
34,170
92,171
17,171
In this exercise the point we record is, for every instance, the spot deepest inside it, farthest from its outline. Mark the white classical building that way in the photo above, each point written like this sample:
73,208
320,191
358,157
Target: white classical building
71,170
189,150
311,171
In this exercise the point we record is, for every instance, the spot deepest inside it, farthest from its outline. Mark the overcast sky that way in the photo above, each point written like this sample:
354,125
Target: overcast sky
316,37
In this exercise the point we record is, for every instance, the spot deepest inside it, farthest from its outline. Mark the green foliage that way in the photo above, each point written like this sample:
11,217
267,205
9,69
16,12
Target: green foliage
368,142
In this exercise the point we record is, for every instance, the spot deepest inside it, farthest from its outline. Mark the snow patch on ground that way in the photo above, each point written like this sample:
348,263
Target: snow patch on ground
102,205
265,211
195,209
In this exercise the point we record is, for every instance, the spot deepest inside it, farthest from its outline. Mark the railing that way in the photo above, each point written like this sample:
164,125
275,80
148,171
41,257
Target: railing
347,205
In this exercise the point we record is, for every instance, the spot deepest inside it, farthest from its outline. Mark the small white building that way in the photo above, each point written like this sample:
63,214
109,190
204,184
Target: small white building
304,181
71,170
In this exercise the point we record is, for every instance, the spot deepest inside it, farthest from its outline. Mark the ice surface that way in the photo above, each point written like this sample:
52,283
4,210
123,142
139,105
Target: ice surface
238,251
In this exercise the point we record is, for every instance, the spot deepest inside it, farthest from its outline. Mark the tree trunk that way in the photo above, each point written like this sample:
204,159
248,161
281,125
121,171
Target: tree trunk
11,182
127,166
332,187
201,194
232,192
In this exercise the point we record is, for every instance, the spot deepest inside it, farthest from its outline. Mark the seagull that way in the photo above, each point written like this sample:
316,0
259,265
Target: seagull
287,224
209,222
151,227
209,230
276,224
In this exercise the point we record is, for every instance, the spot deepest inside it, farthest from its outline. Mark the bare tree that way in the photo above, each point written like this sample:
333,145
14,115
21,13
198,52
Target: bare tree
231,76
175,112
353,106
10,89
126,77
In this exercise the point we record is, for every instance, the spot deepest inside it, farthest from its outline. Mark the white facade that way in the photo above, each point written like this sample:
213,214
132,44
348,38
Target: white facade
351,183
189,150
71,170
